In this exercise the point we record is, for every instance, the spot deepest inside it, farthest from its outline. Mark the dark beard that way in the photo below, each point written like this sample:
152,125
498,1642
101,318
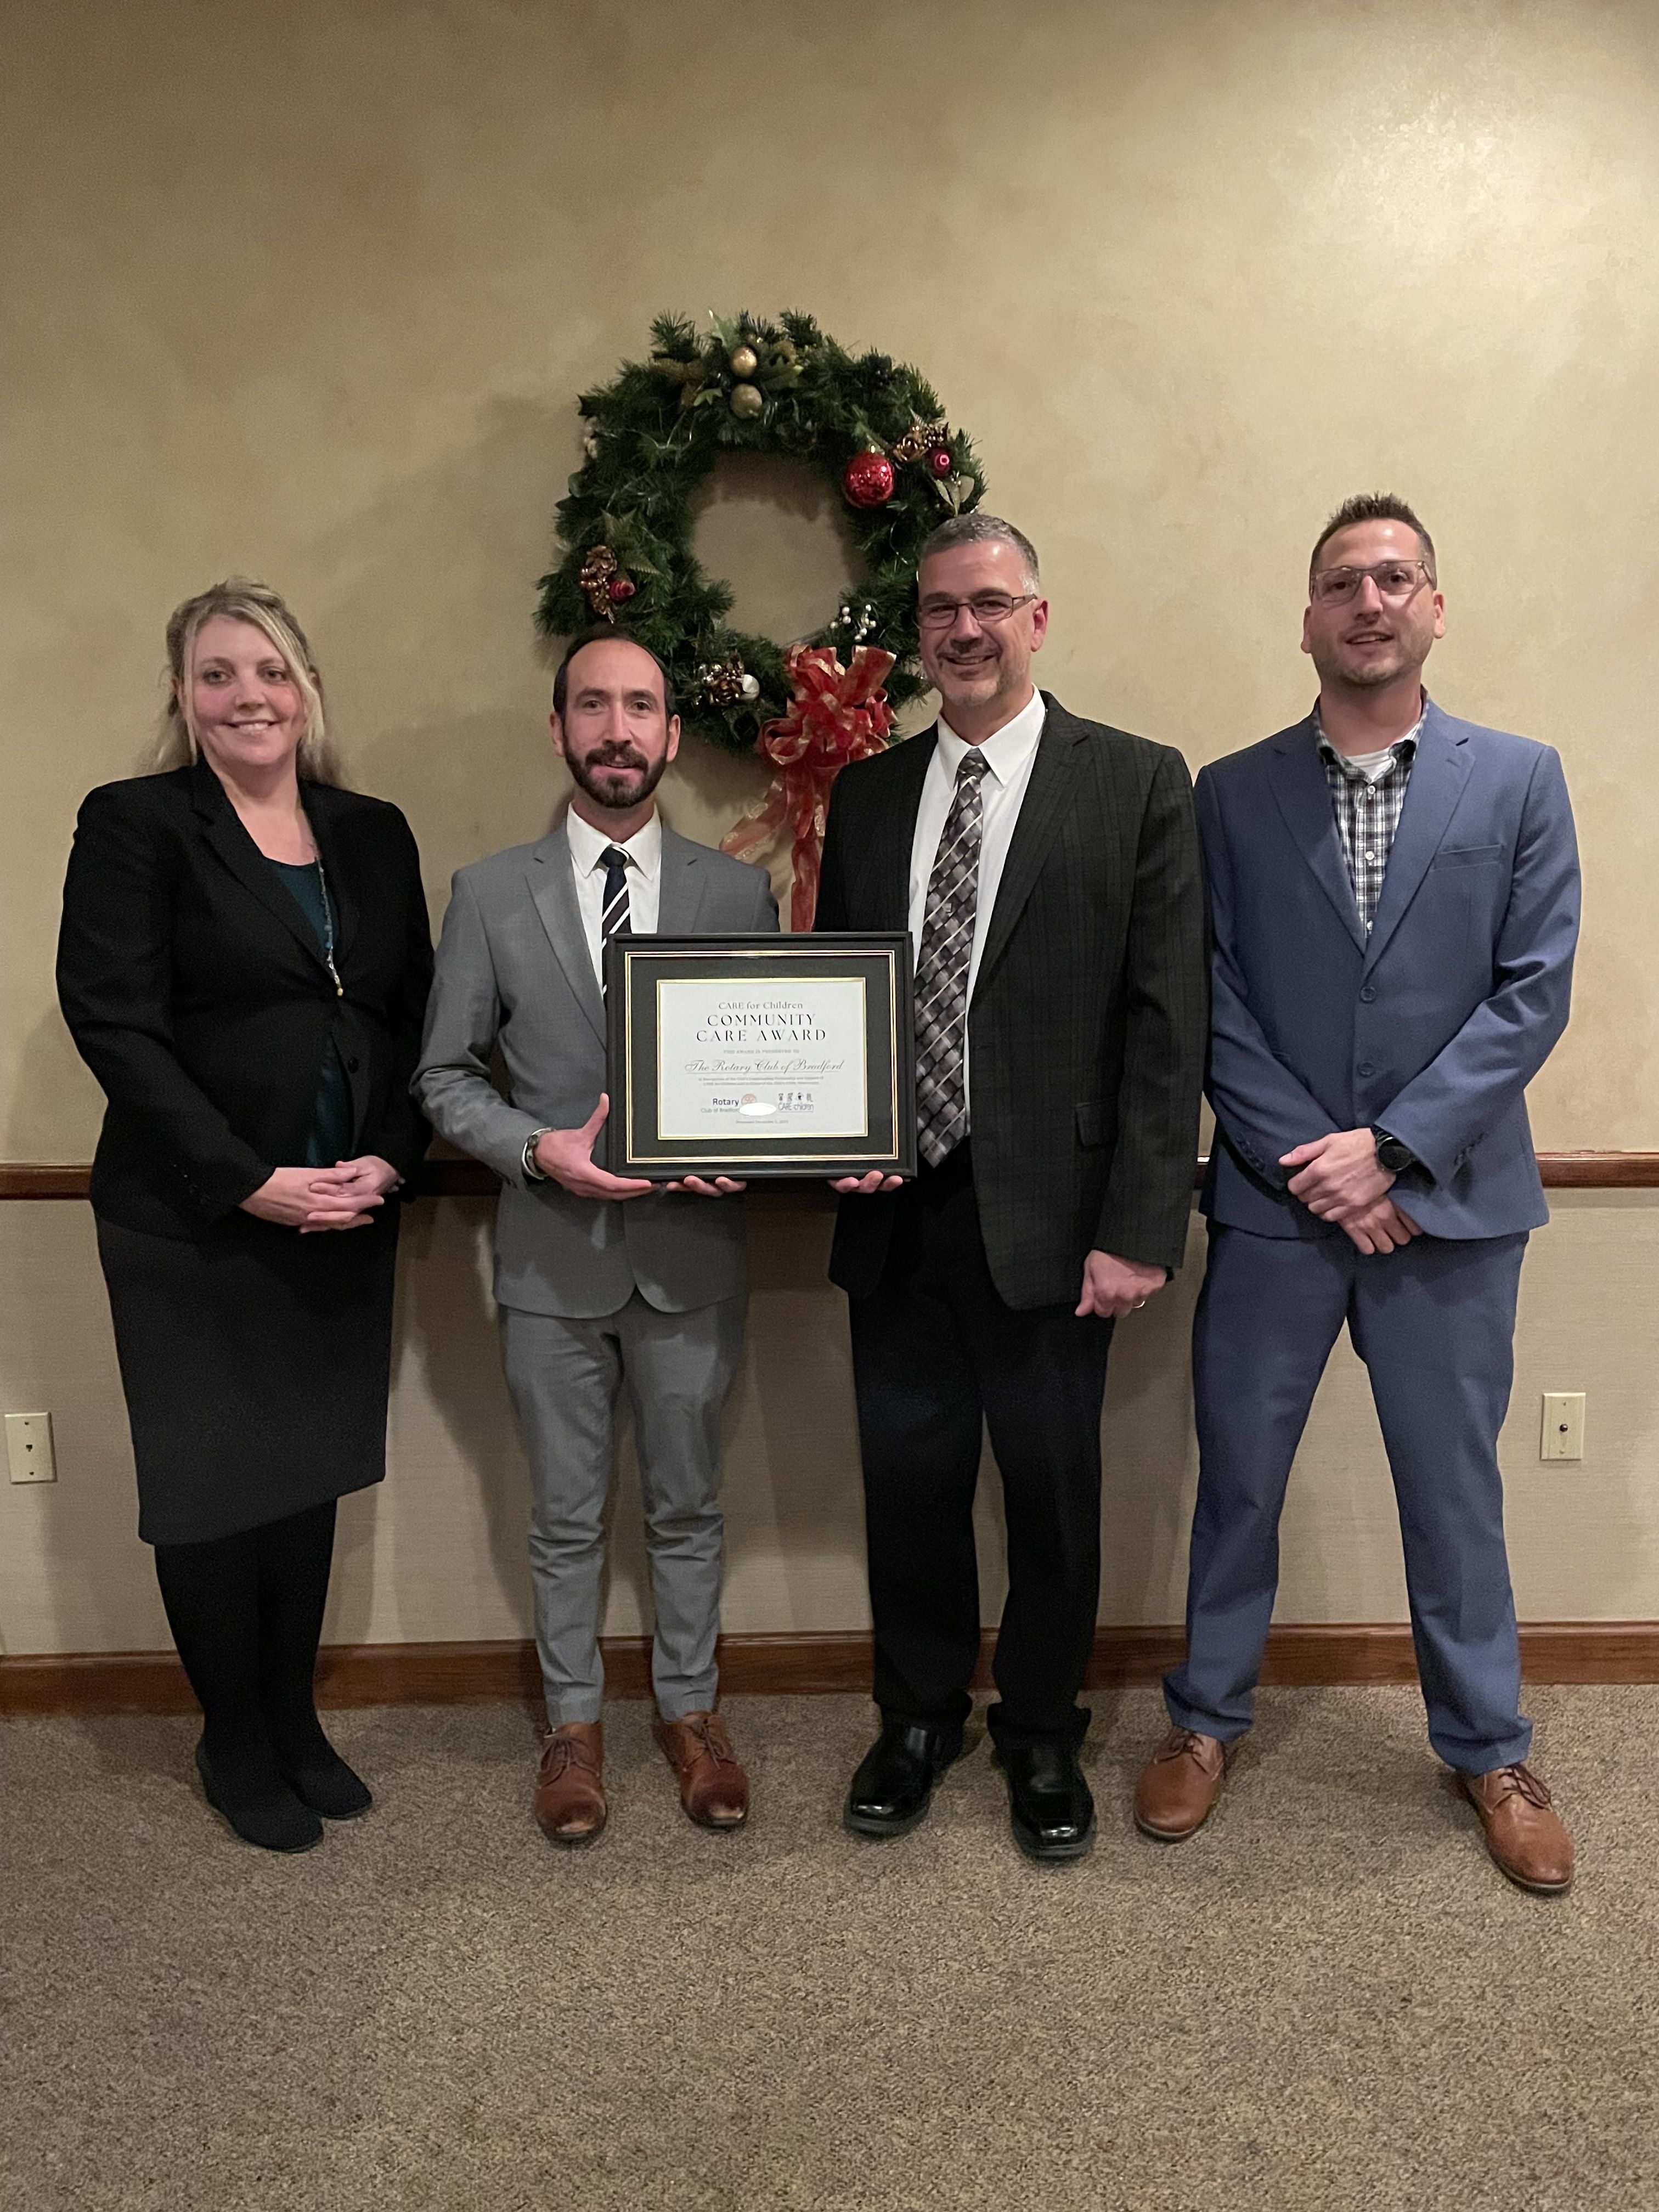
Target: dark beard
593,780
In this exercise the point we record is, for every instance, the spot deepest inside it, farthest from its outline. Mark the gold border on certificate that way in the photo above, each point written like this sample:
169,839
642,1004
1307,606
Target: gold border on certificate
778,949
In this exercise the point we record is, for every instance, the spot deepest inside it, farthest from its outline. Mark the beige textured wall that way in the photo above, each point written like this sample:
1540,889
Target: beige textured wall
308,291
437,1551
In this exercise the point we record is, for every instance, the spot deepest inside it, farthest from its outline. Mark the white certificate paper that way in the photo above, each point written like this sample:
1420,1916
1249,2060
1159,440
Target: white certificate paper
770,1058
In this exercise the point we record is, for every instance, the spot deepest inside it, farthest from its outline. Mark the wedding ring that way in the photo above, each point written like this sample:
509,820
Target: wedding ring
1139,1303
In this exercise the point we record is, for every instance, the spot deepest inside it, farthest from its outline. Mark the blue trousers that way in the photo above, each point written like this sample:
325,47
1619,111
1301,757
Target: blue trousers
1434,1323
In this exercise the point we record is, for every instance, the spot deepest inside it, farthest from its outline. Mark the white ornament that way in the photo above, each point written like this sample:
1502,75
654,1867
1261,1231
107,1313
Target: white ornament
750,687
590,444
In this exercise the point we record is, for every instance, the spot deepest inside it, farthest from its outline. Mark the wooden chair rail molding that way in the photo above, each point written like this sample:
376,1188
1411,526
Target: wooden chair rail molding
461,1178
1358,1652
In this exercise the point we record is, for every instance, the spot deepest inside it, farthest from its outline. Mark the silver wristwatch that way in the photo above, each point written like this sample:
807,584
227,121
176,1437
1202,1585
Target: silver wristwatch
532,1173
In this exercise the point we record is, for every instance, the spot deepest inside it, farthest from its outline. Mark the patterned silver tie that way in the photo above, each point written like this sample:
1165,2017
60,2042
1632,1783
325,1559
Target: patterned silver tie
614,918
947,944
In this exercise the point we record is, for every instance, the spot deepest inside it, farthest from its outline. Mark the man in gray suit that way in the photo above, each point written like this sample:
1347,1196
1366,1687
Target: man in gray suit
602,1283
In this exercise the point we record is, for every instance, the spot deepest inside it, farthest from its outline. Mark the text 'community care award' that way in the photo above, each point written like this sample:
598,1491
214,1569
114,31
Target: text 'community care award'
760,1055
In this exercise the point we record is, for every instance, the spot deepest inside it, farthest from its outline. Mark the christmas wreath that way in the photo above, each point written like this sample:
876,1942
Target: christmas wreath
654,433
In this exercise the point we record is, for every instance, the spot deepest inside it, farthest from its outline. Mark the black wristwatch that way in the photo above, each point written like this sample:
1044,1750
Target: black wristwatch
1392,1154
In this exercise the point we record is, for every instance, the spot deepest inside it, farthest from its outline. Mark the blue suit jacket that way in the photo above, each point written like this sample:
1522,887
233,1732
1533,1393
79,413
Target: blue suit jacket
1433,1028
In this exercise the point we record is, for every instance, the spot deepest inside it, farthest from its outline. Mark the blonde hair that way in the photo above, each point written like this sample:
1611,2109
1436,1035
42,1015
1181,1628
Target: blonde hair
240,599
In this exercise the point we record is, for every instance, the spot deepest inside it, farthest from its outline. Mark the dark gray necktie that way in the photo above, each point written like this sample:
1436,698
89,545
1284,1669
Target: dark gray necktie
613,914
947,944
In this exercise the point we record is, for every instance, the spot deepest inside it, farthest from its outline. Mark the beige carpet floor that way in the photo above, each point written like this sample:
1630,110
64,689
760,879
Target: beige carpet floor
1328,1999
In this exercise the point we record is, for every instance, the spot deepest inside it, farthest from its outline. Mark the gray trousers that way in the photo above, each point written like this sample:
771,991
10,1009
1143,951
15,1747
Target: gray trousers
564,1378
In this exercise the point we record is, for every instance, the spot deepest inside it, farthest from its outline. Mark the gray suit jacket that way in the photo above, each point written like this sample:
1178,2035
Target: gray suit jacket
514,974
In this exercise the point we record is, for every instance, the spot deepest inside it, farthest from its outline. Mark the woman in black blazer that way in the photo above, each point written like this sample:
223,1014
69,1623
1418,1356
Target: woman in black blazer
244,965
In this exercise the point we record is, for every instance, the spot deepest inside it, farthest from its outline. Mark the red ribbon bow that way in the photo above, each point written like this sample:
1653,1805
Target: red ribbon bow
837,715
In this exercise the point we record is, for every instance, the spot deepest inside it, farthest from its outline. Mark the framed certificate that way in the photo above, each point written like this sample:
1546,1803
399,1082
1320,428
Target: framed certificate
760,1055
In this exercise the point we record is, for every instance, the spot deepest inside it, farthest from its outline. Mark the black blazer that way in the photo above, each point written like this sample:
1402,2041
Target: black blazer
195,988
1090,1016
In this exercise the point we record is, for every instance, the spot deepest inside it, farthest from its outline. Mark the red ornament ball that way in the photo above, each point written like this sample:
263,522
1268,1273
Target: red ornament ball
868,480
620,589
939,461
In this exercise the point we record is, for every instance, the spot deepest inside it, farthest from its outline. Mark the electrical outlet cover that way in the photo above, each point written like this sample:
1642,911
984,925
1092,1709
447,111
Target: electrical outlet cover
28,1448
1563,1431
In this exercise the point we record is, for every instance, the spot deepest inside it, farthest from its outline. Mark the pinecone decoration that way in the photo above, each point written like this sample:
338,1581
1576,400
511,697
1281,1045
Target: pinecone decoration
596,572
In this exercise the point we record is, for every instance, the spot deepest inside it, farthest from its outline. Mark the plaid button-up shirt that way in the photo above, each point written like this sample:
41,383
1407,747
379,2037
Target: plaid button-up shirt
1367,813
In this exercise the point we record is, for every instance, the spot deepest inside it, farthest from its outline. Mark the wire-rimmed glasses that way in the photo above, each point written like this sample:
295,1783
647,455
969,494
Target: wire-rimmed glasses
1395,580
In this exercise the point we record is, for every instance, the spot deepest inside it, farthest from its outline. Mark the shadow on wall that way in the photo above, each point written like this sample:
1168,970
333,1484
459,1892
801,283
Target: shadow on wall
56,1093
81,1531
446,1323
92,1585
436,675
1149,1454
795,1501
424,607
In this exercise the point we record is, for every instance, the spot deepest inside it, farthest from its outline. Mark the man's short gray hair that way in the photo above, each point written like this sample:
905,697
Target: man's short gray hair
982,529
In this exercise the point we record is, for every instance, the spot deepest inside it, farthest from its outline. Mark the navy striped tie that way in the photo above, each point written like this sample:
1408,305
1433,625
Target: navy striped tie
614,915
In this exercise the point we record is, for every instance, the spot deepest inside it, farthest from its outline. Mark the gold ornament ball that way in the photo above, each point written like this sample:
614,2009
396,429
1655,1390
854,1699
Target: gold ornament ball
746,401
744,360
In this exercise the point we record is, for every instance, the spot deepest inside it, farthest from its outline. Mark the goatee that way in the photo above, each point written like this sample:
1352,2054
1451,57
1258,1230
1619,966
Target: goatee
600,779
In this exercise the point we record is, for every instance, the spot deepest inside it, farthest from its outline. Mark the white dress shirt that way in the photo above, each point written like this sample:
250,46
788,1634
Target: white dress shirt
1009,753
588,847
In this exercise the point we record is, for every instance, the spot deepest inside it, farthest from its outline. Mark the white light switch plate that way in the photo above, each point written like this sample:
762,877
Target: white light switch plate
28,1448
1562,1436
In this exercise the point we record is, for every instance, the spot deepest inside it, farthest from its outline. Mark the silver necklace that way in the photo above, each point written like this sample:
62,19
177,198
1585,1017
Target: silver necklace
328,928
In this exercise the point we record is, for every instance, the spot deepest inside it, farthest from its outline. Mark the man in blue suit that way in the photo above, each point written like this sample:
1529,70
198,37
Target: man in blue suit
1395,904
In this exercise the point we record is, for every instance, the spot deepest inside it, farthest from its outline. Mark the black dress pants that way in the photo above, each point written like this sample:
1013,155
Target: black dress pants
937,1355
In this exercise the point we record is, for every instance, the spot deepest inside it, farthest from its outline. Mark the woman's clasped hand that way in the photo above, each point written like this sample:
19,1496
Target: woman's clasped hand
344,1196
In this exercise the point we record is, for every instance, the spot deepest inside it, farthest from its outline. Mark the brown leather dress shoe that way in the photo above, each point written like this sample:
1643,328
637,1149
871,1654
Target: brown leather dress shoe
1179,1784
569,1803
1524,1833
713,1787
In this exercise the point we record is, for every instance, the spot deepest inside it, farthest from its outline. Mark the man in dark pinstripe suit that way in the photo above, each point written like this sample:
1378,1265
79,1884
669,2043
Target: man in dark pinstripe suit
1048,869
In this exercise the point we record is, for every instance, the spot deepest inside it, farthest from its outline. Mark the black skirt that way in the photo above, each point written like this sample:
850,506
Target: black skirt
256,1364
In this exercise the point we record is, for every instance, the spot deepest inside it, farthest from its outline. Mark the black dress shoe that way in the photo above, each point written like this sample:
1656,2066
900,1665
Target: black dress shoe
1050,1807
329,1786
893,1785
311,1766
257,1802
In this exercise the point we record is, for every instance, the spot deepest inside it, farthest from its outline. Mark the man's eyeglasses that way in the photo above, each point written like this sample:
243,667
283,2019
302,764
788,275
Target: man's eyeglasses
1394,580
987,608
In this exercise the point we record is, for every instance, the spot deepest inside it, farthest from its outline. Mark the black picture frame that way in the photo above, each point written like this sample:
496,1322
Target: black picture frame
635,1143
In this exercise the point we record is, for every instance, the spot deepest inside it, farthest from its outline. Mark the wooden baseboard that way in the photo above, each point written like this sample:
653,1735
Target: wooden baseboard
1305,1657
446,1176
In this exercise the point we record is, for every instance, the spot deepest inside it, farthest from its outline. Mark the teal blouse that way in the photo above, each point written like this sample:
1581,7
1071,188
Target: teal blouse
332,1118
